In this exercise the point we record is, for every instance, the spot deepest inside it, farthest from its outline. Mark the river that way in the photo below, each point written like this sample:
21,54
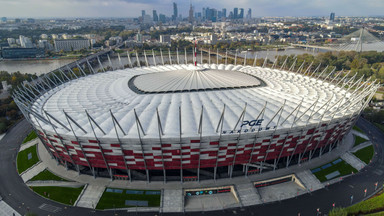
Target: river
33,66
45,66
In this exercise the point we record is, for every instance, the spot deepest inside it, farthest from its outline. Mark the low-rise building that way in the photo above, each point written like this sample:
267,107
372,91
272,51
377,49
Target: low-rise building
71,45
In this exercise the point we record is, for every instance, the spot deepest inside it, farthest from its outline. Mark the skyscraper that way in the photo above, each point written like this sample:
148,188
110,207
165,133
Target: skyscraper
332,17
162,18
230,16
249,14
235,13
143,13
155,17
175,14
204,14
224,13
241,15
190,17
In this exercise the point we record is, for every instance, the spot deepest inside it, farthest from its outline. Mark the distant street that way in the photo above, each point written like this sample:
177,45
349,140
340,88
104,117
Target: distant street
17,195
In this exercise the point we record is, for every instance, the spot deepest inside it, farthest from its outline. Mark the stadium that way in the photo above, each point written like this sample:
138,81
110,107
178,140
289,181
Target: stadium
190,122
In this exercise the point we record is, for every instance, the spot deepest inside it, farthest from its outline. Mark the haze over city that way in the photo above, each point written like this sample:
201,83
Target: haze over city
132,8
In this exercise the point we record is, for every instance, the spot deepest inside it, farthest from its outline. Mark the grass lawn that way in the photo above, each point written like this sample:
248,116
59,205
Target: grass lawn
358,129
367,206
376,214
343,167
46,175
365,154
65,195
359,140
22,159
110,200
30,137
374,205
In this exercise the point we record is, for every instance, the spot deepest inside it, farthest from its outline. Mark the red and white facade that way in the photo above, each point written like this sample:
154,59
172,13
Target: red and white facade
186,119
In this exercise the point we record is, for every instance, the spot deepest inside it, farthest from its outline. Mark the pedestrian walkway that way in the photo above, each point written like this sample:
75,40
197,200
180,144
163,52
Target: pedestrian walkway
361,146
7,210
54,183
90,196
309,180
29,144
357,133
173,200
248,194
280,192
210,202
33,171
353,161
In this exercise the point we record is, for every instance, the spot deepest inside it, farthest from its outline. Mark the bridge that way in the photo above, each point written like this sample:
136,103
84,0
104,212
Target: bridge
315,47
358,41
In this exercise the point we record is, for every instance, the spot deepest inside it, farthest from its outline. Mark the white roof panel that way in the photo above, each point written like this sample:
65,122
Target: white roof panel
244,90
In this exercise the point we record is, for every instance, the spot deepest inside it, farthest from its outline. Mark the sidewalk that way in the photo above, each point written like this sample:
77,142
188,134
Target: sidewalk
357,133
29,144
360,146
6,210
90,196
353,161
33,171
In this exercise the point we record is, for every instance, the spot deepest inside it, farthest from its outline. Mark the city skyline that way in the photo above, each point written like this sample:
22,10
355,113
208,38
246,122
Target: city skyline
133,8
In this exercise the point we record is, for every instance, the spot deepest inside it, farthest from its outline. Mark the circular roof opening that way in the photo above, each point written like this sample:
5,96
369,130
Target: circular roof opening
192,79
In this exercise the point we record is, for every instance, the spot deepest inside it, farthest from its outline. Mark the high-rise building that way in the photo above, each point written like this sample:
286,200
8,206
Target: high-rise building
211,14
213,38
139,37
224,13
235,13
219,14
25,42
162,18
155,17
175,14
147,19
204,13
249,14
241,15
230,16
4,19
142,13
190,17
332,17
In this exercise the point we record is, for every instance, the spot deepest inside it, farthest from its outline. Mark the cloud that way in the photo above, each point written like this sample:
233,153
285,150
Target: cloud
132,8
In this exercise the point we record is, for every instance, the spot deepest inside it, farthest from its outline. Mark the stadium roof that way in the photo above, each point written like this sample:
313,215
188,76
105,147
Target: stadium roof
193,79
103,102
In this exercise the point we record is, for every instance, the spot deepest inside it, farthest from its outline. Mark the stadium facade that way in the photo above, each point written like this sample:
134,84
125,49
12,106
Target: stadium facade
185,122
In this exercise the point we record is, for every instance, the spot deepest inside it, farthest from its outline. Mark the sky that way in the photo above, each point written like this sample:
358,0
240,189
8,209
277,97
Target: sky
132,8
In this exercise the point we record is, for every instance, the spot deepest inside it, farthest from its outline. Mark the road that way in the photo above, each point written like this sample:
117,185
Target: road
18,195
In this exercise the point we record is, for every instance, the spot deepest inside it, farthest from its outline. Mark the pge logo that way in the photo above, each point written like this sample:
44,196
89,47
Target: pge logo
256,122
